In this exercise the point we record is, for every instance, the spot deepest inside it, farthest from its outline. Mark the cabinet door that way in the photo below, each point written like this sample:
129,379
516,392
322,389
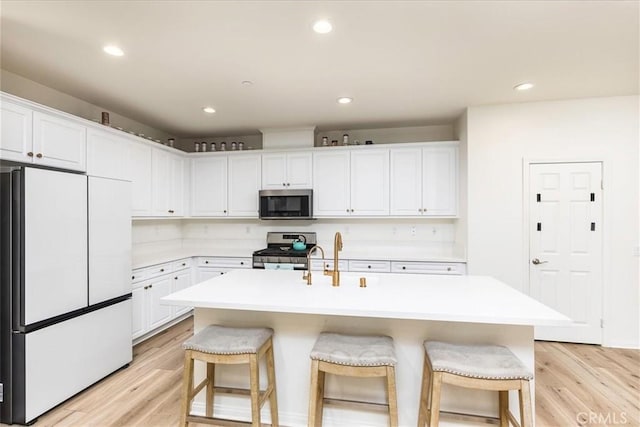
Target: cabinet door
176,193
160,182
15,132
331,184
244,183
59,142
181,280
440,181
140,161
107,155
299,170
205,274
138,312
209,186
370,182
406,181
274,173
159,313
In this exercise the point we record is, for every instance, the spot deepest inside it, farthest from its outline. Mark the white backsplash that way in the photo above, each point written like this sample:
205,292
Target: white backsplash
428,237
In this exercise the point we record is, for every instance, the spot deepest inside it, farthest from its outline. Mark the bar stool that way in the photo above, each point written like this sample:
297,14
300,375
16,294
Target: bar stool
229,346
354,356
485,367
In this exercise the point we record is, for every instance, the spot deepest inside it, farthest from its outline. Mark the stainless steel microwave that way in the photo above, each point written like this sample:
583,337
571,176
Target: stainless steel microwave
286,204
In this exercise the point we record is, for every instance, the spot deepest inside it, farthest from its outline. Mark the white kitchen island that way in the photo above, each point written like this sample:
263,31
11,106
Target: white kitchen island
408,307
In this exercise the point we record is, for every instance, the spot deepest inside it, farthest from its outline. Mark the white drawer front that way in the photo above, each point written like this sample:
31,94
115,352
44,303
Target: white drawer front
376,266
231,262
141,274
181,264
427,267
160,269
318,264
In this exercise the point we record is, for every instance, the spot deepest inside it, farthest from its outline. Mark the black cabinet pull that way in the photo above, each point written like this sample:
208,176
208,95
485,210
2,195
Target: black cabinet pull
206,262
404,268
368,266
161,270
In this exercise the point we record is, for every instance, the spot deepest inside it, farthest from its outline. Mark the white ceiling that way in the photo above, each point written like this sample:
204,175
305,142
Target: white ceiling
404,63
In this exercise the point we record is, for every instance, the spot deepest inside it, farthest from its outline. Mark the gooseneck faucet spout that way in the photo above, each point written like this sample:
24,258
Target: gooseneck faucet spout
307,274
337,247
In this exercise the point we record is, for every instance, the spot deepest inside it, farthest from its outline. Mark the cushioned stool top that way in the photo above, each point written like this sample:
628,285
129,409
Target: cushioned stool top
224,340
492,362
354,350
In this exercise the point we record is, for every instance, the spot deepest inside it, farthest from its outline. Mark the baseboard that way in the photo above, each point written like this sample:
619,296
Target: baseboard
163,327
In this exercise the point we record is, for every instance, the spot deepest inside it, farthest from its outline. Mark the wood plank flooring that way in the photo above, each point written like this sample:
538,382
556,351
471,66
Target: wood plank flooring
577,385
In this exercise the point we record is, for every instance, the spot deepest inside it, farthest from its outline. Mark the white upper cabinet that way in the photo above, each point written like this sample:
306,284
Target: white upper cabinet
287,170
244,183
440,181
424,181
59,142
15,128
177,186
209,186
351,183
370,182
44,139
331,192
161,182
107,155
141,178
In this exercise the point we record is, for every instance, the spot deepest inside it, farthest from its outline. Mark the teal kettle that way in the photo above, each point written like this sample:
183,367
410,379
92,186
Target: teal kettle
299,245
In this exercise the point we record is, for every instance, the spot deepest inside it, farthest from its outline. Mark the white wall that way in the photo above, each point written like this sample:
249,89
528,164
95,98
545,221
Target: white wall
499,139
36,92
152,236
461,134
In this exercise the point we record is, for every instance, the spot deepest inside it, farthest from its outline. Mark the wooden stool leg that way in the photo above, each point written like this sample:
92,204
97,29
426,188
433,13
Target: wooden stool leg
316,392
526,418
187,388
271,376
392,396
424,395
254,379
436,389
211,374
503,408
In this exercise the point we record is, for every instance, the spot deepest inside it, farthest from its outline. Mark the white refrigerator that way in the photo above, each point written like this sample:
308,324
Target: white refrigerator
65,289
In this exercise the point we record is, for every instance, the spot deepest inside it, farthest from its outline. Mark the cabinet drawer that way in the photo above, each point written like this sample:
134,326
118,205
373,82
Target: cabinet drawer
377,266
140,274
181,264
428,267
231,262
160,269
318,264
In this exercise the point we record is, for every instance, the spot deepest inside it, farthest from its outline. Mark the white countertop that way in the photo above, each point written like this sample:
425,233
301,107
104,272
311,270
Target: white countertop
474,299
391,254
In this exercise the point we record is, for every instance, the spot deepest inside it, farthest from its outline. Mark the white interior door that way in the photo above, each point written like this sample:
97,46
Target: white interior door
55,243
565,247
109,239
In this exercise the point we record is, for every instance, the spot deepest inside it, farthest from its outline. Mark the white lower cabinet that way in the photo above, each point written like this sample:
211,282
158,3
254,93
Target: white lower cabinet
414,267
210,267
150,285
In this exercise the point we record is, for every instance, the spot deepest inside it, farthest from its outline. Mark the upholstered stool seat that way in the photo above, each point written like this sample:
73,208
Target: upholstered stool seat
225,345
487,367
355,356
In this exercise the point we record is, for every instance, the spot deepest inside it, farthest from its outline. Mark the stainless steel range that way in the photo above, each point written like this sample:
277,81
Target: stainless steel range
279,252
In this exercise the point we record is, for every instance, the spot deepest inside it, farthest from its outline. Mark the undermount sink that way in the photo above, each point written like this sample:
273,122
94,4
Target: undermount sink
346,279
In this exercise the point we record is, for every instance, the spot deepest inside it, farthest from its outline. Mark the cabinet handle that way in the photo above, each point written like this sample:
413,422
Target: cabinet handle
241,262
288,184
175,278
352,210
404,268
284,184
133,277
150,286
448,268
184,263
170,211
224,211
161,270
30,154
222,272
347,210
420,210
368,266
206,262
146,287
39,155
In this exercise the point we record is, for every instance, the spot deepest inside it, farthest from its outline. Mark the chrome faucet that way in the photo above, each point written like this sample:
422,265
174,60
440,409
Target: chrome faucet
307,274
337,247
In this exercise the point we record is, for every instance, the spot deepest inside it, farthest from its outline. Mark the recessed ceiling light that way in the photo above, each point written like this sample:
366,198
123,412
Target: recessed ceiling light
209,110
113,50
322,26
345,100
523,86
247,83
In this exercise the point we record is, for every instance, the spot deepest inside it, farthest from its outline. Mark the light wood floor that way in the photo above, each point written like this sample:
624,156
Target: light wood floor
574,383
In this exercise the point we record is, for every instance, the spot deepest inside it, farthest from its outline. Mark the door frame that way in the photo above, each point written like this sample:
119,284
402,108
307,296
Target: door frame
606,237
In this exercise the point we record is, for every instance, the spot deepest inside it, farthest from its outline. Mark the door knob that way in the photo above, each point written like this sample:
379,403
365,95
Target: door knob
536,261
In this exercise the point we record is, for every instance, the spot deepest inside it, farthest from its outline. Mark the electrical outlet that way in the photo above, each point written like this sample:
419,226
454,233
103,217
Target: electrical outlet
434,231
394,231
248,230
636,250
412,230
